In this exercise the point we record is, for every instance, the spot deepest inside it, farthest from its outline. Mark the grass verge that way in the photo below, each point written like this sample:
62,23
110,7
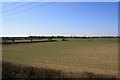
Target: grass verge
11,70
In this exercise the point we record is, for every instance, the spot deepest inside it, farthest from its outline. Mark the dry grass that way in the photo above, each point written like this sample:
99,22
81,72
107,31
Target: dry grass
11,70
99,56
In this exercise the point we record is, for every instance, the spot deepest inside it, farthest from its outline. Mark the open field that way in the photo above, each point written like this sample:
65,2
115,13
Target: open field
99,56
26,40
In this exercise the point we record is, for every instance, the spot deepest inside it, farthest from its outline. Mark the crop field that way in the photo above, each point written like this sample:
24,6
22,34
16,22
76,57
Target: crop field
99,56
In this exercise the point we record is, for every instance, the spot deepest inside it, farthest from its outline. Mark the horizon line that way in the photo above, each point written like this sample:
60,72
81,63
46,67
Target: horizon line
57,35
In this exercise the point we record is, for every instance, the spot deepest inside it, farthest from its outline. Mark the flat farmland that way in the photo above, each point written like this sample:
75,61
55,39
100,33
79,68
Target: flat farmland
99,56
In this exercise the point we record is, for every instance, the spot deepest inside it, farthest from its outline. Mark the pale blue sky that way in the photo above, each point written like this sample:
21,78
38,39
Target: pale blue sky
62,18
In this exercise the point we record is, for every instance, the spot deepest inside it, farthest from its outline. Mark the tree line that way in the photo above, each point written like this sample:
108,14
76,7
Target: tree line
50,38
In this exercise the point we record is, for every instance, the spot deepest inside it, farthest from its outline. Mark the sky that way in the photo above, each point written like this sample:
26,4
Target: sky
61,18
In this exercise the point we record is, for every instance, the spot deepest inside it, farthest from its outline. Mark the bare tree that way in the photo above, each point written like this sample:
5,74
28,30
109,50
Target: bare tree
13,40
